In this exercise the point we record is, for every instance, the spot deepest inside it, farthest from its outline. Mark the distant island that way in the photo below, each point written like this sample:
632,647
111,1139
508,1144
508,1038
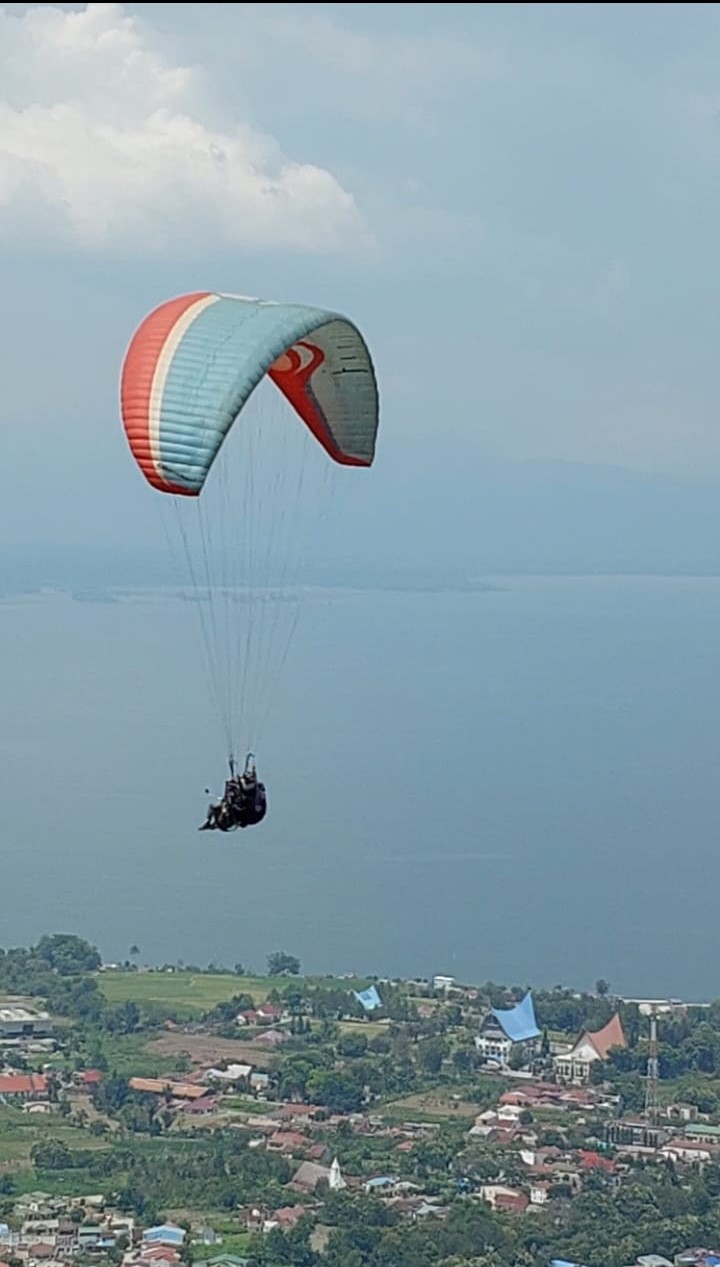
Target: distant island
158,1115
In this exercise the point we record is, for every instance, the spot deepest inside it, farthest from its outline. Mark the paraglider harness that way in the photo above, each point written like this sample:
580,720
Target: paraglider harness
244,801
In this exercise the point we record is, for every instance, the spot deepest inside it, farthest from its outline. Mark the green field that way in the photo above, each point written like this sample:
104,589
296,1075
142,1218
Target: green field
440,1103
370,1029
19,1131
128,1054
192,993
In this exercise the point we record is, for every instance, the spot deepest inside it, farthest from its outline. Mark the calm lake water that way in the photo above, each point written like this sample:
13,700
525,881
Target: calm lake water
518,784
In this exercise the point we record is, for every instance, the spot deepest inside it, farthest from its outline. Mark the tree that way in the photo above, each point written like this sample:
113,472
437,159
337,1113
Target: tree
124,1018
281,964
431,1053
340,1092
518,1056
463,1059
352,1045
50,1155
67,954
601,987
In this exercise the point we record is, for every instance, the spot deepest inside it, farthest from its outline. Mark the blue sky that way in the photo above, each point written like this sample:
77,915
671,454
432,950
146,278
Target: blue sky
518,204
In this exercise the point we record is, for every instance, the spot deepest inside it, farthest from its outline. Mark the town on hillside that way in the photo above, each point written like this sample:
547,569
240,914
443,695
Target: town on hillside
175,1115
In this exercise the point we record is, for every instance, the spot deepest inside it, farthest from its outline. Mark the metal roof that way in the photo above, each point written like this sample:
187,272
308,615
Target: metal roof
518,1023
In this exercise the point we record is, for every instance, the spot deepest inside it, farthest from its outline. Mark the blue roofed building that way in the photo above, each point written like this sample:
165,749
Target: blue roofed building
505,1028
382,1183
369,998
165,1234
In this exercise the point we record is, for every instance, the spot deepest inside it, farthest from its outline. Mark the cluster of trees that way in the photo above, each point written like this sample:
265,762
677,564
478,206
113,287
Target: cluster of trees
281,964
342,1071
365,1233
59,970
217,1172
55,969
335,1002
687,1045
652,1213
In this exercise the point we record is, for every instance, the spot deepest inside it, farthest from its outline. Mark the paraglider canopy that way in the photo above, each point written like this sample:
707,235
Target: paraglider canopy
187,379
194,361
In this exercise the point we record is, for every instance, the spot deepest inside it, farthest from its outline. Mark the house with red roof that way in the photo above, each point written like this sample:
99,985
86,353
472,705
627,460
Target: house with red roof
288,1215
205,1104
23,1086
574,1065
265,1014
290,1142
89,1077
590,1160
500,1197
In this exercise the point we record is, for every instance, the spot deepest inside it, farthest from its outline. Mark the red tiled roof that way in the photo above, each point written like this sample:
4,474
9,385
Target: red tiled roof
90,1077
611,1035
316,1152
204,1104
288,1139
289,1214
593,1161
511,1201
23,1084
577,1095
158,1086
270,1038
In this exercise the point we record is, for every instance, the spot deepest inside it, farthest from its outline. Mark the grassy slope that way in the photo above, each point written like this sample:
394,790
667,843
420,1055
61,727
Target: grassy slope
19,1131
192,993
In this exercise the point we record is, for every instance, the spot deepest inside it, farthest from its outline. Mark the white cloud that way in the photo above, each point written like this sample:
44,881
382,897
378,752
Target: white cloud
388,76
103,144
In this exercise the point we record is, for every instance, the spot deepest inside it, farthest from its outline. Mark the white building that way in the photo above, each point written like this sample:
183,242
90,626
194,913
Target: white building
443,983
574,1065
503,1028
22,1022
